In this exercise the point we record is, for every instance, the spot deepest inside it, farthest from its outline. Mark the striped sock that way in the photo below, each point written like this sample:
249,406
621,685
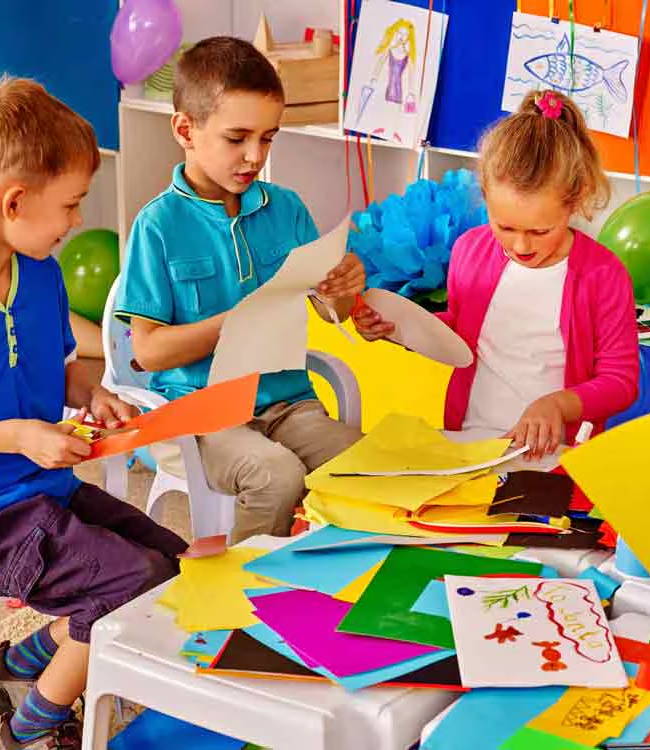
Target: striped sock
29,658
36,717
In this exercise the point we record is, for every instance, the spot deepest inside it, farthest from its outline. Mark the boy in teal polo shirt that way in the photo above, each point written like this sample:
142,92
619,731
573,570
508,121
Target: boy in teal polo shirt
211,238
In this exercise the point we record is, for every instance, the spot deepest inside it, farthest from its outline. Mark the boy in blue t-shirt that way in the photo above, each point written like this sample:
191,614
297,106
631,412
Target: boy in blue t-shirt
66,548
215,235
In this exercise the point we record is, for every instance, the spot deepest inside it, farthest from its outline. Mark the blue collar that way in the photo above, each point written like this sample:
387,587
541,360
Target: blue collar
254,198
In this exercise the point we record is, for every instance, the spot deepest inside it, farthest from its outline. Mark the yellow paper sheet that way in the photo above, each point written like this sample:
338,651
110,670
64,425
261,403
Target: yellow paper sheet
348,513
589,716
352,592
398,443
612,470
209,593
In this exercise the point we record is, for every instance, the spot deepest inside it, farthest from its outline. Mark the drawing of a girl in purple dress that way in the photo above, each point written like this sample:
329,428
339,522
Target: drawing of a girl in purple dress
397,55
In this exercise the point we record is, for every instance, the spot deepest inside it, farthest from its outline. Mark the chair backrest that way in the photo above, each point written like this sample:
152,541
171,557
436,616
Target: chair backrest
121,365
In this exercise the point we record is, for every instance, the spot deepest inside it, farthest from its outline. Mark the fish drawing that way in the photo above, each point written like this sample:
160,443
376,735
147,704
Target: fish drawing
555,70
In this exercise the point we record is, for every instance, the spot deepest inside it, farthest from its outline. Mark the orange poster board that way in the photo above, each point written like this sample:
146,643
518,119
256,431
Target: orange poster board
623,16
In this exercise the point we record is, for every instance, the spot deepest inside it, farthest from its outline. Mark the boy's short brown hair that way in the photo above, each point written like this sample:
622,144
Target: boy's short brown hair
216,66
40,136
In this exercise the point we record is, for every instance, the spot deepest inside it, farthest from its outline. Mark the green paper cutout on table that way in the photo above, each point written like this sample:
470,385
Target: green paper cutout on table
532,739
384,609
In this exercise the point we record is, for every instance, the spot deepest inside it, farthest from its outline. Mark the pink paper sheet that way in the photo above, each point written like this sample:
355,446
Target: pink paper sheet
307,621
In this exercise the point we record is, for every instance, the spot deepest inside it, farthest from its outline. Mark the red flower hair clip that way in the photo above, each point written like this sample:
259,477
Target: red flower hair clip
550,105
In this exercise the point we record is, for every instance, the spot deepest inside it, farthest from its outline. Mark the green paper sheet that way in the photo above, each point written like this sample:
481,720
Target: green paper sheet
384,609
532,739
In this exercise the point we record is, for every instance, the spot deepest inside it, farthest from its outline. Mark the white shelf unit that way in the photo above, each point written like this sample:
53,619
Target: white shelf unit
309,159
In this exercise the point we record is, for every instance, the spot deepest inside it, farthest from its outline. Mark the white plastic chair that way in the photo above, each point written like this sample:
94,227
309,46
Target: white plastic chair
211,511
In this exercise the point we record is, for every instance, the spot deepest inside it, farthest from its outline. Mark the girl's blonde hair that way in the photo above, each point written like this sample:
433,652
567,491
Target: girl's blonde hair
532,151
390,32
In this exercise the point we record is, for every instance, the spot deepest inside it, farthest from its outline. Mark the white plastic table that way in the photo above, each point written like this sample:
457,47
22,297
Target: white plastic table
135,655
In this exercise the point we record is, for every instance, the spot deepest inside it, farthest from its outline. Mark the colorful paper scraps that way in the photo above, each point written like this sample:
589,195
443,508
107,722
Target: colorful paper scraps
327,570
397,443
384,609
514,632
219,581
352,592
588,716
307,621
611,469
207,410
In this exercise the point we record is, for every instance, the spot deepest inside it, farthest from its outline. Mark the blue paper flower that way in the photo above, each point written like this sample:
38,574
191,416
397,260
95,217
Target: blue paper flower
405,242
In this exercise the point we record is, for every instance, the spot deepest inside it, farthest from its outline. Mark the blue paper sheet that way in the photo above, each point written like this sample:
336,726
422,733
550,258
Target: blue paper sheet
433,600
327,571
208,642
272,640
155,731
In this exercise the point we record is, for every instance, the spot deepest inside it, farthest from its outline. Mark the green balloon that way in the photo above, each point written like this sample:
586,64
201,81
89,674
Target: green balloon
627,234
90,263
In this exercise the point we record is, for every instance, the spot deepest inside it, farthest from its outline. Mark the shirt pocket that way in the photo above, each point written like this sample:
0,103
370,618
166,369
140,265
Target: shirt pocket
271,256
195,282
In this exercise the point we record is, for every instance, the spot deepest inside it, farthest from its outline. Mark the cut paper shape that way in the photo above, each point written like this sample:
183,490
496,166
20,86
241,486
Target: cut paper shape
587,717
155,731
248,657
207,410
352,592
398,443
205,643
392,83
307,621
532,739
209,593
475,519
611,470
446,472
327,571
272,320
563,639
533,492
418,330
384,609
599,76
584,533
486,718
433,600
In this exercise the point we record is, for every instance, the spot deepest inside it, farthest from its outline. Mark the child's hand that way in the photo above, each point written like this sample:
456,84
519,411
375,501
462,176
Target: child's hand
107,408
370,324
345,280
51,446
540,427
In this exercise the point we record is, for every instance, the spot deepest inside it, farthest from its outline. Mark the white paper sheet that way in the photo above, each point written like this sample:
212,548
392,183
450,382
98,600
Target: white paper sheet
408,541
388,95
267,330
528,632
601,80
419,330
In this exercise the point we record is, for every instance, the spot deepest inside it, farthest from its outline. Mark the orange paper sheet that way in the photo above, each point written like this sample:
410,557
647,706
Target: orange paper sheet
210,409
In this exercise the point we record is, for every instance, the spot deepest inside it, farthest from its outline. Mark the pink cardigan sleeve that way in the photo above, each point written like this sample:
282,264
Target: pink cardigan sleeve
614,386
449,316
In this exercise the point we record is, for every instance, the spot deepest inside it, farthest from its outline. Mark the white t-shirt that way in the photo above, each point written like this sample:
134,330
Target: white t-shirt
521,353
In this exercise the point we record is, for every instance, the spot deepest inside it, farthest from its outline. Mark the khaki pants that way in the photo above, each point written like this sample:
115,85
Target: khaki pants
264,463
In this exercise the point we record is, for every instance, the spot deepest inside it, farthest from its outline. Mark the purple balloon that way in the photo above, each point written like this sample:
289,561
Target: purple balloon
145,34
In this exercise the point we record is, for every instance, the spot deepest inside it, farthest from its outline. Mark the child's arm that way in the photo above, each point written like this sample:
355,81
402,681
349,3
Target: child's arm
164,347
51,446
83,392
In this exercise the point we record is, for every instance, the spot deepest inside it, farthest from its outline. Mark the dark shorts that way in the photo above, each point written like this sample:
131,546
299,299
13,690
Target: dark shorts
85,560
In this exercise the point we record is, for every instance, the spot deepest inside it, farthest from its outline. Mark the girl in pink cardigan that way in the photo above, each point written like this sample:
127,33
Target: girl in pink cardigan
548,312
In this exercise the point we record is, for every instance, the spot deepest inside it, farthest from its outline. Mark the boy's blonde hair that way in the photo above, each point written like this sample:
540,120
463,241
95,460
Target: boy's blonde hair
216,66
40,136
532,151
